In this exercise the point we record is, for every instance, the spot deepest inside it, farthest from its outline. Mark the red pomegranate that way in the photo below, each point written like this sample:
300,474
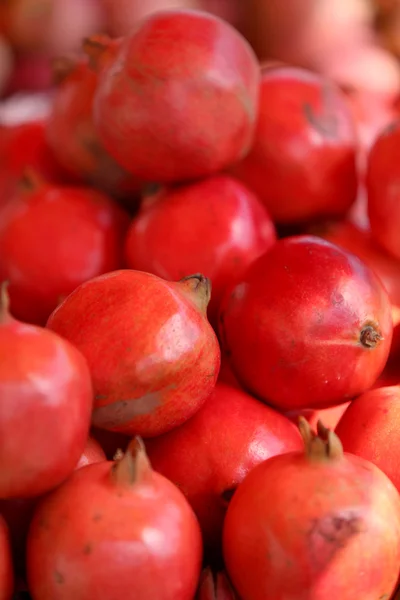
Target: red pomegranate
45,405
23,146
177,98
133,536
54,238
307,326
303,161
164,237
18,512
208,466
72,136
369,428
382,187
6,566
154,358
330,527
215,586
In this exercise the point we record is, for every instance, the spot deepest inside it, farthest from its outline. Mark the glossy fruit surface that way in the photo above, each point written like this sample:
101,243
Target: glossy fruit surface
45,406
328,519
93,453
112,531
307,326
179,98
302,164
153,356
209,455
54,238
215,226
72,136
369,428
6,566
382,186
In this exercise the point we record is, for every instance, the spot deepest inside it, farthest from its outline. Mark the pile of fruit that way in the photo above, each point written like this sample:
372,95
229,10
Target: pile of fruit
199,329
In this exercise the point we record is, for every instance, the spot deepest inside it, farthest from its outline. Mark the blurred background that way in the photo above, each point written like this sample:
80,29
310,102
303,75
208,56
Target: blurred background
355,42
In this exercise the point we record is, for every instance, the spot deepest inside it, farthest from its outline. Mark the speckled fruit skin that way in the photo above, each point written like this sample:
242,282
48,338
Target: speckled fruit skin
179,98
72,136
210,454
153,356
46,401
6,567
108,535
296,326
303,161
215,226
52,239
330,529
369,428
382,188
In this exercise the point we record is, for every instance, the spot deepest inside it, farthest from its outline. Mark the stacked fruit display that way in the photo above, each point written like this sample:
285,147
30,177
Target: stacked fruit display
199,346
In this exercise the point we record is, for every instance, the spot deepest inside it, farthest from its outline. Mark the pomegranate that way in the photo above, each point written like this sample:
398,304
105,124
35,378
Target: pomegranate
361,243
72,136
208,466
177,98
31,73
215,586
45,406
93,453
134,536
6,566
307,326
382,185
18,512
368,429
330,526
154,358
52,239
220,211
303,161
23,146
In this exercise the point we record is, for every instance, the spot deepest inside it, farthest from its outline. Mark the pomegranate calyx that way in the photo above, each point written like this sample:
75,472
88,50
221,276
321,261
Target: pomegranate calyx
31,181
370,337
197,288
214,586
4,302
132,466
62,67
97,47
325,445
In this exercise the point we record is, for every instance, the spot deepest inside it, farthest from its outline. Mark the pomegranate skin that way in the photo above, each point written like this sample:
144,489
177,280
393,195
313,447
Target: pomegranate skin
54,238
235,227
330,529
6,567
382,181
93,453
208,466
368,429
45,402
302,164
153,356
143,532
297,326
72,136
179,99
